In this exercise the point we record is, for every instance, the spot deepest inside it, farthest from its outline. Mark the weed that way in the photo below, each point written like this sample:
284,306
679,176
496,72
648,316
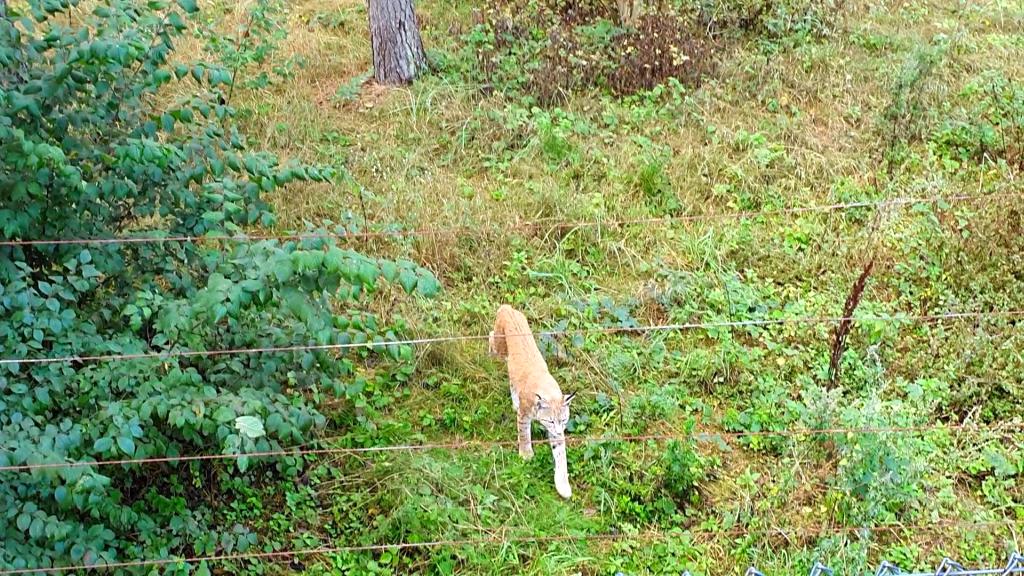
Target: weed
252,45
684,468
880,476
990,130
844,326
656,186
349,91
772,21
903,115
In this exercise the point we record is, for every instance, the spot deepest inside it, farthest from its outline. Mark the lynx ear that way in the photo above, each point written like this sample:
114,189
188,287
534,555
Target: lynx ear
541,402
569,397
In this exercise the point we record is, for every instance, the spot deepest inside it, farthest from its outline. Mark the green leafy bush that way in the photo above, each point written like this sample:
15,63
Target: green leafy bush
684,467
881,477
91,149
774,21
548,50
903,118
990,129
253,44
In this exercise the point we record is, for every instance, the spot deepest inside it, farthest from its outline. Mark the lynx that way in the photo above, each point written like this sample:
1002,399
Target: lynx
535,394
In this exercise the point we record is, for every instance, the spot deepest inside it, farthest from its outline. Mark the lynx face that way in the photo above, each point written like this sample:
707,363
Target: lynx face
554,415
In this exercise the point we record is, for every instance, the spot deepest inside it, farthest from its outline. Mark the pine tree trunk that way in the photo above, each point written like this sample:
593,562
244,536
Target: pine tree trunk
398,54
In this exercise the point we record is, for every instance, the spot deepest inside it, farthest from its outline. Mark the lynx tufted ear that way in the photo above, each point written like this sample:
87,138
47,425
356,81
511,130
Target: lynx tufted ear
541,402
569,397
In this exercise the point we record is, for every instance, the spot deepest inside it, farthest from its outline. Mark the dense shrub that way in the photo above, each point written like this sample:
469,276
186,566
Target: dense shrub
91,149
549,49
771,20
990,129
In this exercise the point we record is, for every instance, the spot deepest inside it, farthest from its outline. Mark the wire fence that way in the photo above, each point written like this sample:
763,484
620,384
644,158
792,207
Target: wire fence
502,539
948,567
705,436
168,354
470,230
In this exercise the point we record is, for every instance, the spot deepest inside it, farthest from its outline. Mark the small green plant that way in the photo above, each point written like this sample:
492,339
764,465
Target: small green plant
656,186
684,467
903,116
252,45
881,476
553,130
769,408
349,91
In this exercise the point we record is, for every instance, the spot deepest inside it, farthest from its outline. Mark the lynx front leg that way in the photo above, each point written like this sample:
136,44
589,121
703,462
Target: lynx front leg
561,466
525,443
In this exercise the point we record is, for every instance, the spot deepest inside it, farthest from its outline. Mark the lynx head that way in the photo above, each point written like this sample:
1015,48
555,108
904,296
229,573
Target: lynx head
554,414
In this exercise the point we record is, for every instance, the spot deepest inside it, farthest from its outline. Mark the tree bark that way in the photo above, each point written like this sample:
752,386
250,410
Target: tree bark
629,11
398,54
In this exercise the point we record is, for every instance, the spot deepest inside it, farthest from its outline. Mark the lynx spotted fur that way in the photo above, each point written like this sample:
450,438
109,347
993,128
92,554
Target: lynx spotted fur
535,394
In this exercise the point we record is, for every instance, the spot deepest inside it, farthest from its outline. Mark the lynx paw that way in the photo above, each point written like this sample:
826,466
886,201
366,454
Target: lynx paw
564,490
527,453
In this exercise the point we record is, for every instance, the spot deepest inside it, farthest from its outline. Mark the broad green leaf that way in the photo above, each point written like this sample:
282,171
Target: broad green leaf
283,269
275,422
250,426
427,285
35,530
103,445
334,259
408,280
223,414
368,274
77,552
389,270
126,444
213,216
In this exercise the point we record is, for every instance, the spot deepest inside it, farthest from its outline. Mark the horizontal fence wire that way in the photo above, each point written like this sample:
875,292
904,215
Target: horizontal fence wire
166,355
703,435
467,230
503,539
